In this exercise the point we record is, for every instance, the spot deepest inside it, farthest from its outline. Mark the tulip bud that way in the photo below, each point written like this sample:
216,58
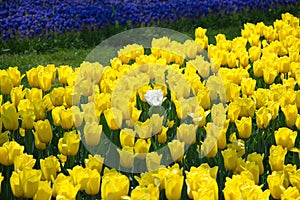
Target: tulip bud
275,183
69,144
49,166
244,127
9,151
177,150
44,191
43,130
126,157
276,158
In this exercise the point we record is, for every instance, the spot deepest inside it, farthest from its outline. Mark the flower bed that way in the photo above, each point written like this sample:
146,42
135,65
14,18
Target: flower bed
186,127
38,18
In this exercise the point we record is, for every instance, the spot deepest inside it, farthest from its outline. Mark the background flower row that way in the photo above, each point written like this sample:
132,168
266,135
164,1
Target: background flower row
38,18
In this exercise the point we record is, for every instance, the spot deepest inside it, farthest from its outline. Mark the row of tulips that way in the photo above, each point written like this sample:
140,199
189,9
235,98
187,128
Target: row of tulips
166,124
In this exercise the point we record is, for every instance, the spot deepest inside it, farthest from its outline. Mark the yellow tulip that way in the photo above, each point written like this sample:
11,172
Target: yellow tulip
209,147
244,59
92,133
127,137
148,192
231,59
25,105
114,185
28,118
261,96
15,75
254,169
9,151
298,122
126,156
203,98
233,112
254,53
38,144
290,112
162,136
65,189
234,185
45,80
16,94
77,116
285,137
176,148
276,158
222,135
43,130
63,72
6,84
57,96
79,176
218,114
153,161
275,183
39,109
150,177
52,69
290,193
230,159
248,86
32,77
144,129
297,99
254,192
187,133
284,66
173,186
258,159
244,127
9,116
23,160
94,162
69,144
70,96
3,136
157,123
25,183
273,108
44,191
263,117
202,179
141,148
56,115
201,38
237,144
294,179
113,118
247,106
66,118
93,183
287,97
49,167
1,178
269,75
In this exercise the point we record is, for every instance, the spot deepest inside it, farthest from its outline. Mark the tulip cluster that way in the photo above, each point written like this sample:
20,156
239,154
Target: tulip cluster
173,123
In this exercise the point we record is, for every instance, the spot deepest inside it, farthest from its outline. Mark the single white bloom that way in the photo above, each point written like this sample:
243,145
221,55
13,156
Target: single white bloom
154,97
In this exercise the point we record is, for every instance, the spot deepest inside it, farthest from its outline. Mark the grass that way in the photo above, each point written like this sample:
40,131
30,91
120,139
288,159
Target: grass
72,48
25,61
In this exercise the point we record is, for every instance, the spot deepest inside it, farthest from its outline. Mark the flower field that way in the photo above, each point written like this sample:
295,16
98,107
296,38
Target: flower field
23,18
187,120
